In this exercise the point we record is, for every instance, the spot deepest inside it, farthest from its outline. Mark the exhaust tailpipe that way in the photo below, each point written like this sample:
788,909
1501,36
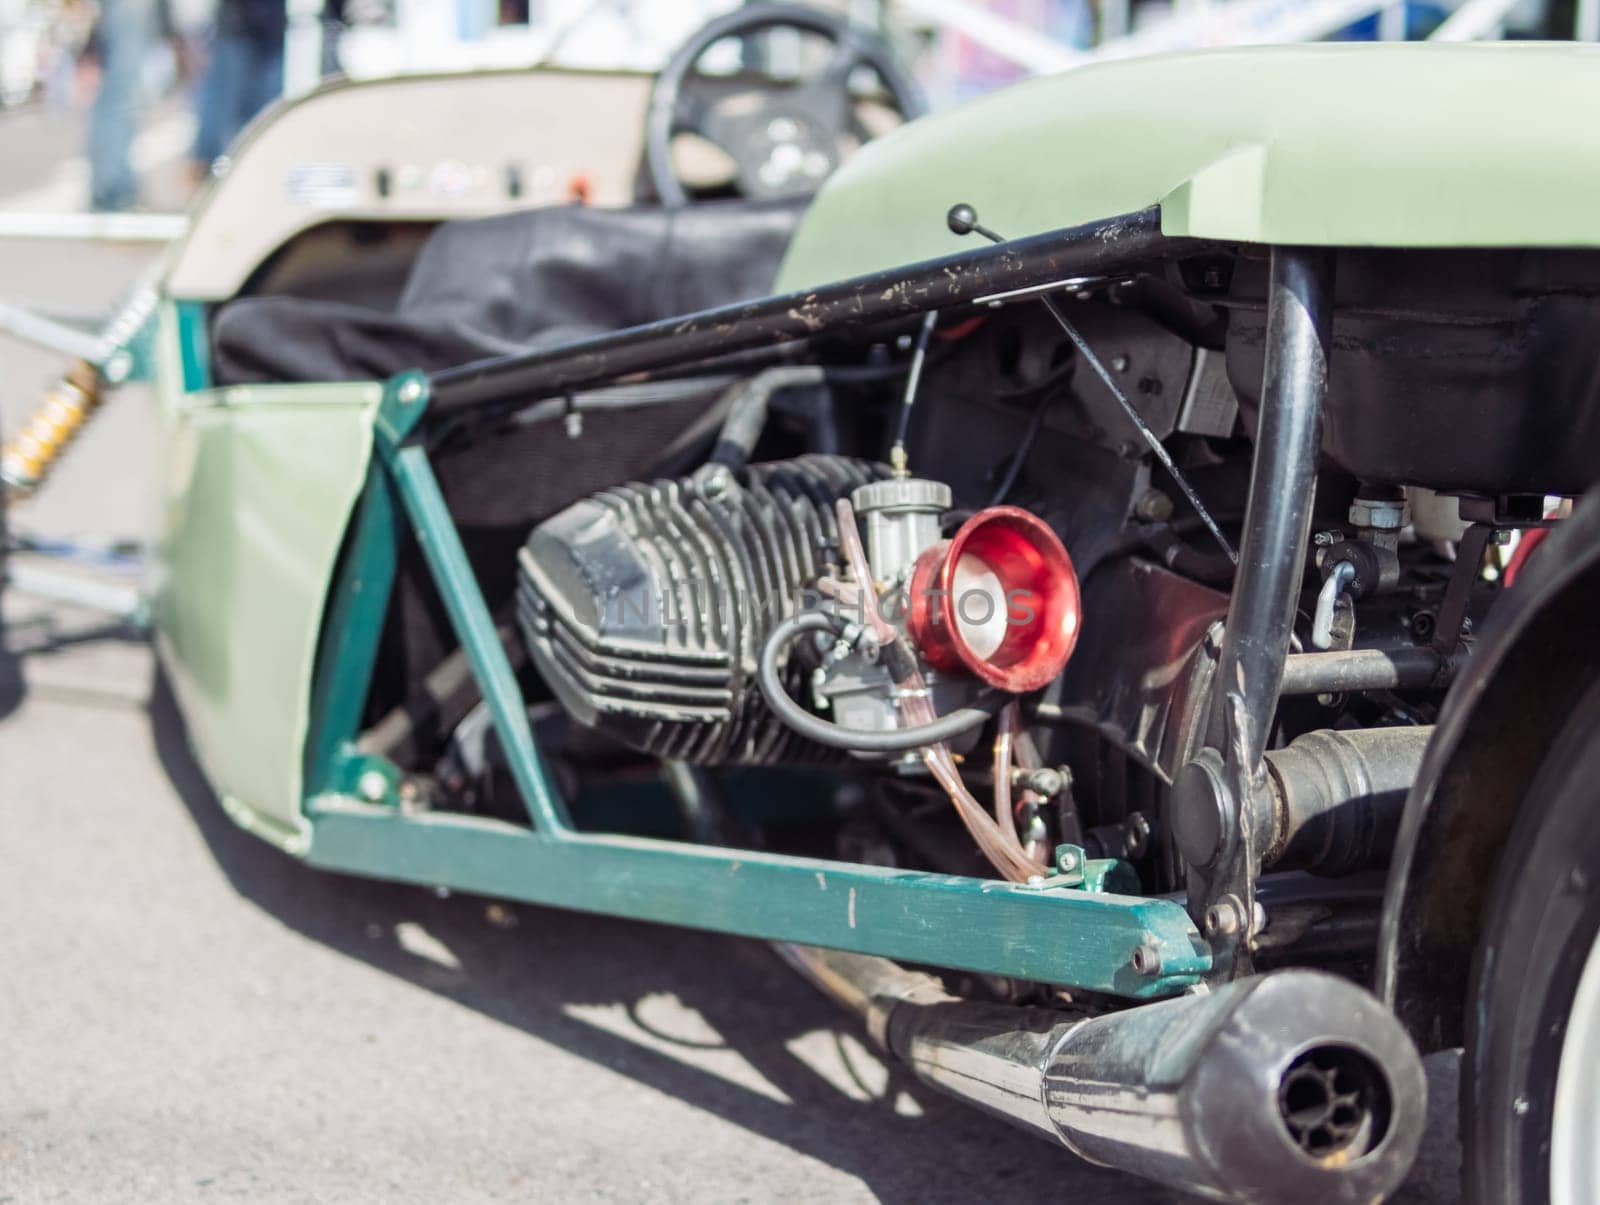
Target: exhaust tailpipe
1293,1085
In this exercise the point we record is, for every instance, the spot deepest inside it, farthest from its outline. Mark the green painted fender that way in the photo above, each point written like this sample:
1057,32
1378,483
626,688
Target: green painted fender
256,485
1335,144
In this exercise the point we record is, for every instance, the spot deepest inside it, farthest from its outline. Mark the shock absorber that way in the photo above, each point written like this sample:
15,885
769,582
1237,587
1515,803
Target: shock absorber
30,455
100,363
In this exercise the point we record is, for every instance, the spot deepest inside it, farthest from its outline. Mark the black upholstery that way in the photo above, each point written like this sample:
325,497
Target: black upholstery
498,285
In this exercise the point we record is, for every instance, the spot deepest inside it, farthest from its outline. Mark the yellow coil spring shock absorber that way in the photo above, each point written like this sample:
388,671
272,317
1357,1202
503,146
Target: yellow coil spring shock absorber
28,457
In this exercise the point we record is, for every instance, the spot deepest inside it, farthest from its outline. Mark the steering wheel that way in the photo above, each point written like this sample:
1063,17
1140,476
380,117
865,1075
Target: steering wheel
783,138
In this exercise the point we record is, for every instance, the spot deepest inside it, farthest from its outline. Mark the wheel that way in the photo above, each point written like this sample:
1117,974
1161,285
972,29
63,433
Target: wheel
1531,1082
784,138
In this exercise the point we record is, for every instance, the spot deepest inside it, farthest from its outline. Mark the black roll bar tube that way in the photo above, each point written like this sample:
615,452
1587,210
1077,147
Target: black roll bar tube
1109,247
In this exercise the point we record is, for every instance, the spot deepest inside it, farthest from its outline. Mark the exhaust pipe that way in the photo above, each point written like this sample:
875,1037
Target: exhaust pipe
1294,1085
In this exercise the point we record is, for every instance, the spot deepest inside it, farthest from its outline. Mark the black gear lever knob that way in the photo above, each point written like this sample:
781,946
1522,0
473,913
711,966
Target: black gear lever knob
963,219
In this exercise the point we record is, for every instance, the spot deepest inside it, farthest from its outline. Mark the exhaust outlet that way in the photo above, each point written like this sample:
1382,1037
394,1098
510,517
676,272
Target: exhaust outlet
1289,1085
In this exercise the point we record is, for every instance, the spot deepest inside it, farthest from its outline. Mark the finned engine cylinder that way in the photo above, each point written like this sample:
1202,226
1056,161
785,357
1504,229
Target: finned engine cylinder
646,606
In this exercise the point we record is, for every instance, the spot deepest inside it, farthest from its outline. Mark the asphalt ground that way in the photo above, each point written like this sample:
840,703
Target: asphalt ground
186,1014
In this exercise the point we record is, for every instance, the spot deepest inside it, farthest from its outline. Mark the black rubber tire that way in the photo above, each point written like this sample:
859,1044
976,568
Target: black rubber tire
1542,920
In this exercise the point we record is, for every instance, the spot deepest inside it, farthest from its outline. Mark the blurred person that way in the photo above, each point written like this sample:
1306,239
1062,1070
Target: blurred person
244,76
122,37
66,45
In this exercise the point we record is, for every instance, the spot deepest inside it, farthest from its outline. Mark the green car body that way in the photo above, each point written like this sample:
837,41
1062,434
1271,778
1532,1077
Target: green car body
268,633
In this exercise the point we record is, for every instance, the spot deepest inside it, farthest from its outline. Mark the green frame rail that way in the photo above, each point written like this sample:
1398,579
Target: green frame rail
1055,930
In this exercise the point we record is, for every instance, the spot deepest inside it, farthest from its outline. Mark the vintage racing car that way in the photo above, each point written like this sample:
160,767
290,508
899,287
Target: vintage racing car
1099,582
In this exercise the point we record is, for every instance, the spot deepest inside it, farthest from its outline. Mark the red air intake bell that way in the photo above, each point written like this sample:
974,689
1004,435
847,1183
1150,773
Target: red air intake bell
999,600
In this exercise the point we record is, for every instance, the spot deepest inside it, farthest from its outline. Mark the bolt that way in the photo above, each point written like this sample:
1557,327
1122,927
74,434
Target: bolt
372,786
1119,363
1501,536
1325,539
1225,917
1066,859
1036,880
1154,506
1520,1106
410,392
1147,956
1136,835
716,481
117,368
573,422
1047,780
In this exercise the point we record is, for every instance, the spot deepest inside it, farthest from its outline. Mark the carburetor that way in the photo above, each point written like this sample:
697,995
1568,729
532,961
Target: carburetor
996,604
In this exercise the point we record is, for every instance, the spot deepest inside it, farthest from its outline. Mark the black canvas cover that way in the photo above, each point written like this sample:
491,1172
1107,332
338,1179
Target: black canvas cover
498,285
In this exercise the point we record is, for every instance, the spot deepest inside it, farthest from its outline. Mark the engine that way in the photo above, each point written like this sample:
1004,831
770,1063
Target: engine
649,609
646,606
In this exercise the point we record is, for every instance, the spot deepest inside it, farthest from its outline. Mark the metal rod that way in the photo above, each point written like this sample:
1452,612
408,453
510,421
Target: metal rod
924,918
424,504
1110,245
1277,518
22,323
124,603
919,356
1407,668
1152,441
95,227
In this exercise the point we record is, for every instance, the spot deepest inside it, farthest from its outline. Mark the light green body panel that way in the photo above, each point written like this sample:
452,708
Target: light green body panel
257,489
1343,144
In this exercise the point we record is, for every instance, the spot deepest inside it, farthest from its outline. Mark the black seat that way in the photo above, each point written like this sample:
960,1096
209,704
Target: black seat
494,286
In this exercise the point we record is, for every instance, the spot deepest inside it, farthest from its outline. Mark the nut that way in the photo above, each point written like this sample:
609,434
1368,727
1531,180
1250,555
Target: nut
1379,514
1146,958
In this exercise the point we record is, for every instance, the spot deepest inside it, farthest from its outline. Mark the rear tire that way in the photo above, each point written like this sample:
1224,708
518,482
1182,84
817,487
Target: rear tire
1530,1088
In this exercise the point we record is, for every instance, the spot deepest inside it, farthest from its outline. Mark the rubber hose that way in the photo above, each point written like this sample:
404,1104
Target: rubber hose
836,736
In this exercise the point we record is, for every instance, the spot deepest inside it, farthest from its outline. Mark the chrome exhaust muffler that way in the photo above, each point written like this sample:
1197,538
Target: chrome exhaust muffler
1293,1085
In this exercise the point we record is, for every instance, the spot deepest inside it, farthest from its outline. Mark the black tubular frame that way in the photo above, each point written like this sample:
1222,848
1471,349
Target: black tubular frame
1109,247
1266,588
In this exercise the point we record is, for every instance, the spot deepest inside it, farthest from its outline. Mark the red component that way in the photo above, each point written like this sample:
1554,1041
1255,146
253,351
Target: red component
1525,546
999,600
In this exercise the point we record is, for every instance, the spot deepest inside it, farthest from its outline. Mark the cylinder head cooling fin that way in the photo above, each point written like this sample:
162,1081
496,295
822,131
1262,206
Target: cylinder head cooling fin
645,606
